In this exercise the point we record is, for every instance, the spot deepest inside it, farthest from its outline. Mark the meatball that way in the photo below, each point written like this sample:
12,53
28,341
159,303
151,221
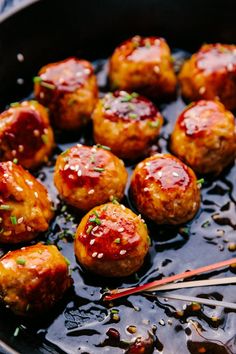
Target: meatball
204,137
143,65
88,176
210,73
25,134
25,208
33,279
165,190
69,89
111,241
127,123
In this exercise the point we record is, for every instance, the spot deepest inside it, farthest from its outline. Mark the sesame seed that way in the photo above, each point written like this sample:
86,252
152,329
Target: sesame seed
122,207
36,194
92,242
95,228
78,74
230,67
19,221
72,168
45,130
146,189
94,148
139,216
122,252
5,175
66,167
21,148
29,228
13,152
156,69
87,71
36,132
202,90
20,57
76,168
159,173
79,145
41,95
94,254
79,173
100,255
175,174
121,229
29,182
91,191
20,81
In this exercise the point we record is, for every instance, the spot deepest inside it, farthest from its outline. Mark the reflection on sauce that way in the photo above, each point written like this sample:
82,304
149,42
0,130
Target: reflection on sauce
216,57
144,49
128,107
198,119
83,166
67,75
168,172
113,238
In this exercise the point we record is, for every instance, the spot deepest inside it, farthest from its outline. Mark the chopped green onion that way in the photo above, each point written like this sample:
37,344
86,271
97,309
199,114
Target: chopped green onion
63,209
126,98
96,220
15,161
154,124
133,115
134,94
104,147
21,261
14,104
37,79
114,311
44,137
5,207
67,261
114,200
47,85
117,240
89,229
200,181
13,220
64,152
99,169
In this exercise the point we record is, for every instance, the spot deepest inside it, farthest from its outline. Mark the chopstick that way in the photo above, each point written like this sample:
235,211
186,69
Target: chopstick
118,293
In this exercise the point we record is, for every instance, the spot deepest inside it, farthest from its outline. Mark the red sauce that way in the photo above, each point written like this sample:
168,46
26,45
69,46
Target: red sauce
198,119
168,172
4,173
140,49
24,133
122,105
216,57
82,166
67,75
113,239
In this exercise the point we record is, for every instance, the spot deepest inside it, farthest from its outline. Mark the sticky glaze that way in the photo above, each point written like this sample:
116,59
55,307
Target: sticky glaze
67,75
216,57
81,166
114,225
198,119
128,107
143,49
24,131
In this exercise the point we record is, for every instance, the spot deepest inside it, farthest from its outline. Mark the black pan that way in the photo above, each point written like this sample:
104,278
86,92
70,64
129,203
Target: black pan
46,31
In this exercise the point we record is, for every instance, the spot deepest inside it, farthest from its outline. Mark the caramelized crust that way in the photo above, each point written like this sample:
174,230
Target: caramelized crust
69,89
165,190
33,279
111,241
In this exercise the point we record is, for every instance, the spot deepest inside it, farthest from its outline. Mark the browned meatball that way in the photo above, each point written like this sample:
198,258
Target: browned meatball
210,73
33,279
25,208
69,89
25,134
204,137
111,241
88,176
143,65
165,190
127,123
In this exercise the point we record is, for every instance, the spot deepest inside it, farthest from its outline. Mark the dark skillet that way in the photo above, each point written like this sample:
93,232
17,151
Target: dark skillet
47,31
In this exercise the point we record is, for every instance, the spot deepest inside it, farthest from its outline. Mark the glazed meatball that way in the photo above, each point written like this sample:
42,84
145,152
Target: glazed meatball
165,190
111,241
210,73
127,123
204,137
88,176
25,134
25,207
69,89
143,65
33,279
